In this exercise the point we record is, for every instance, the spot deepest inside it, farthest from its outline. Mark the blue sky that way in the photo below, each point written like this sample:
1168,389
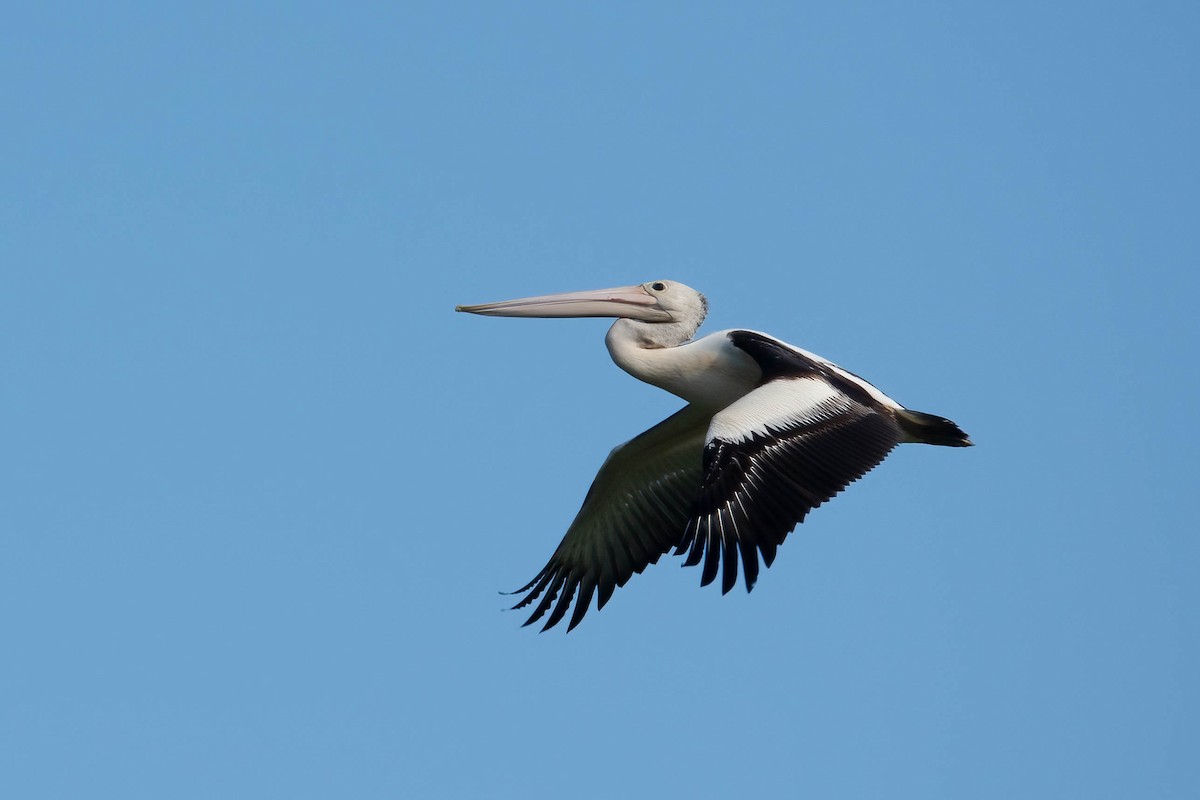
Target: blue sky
262,485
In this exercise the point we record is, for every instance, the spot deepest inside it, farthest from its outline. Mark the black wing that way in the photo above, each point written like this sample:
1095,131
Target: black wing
769,459
635,510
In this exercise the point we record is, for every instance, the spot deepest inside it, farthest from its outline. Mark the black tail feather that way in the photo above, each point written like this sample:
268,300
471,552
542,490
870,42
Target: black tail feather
931,429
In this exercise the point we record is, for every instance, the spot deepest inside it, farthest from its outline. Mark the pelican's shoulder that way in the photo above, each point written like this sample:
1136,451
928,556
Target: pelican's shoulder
777,359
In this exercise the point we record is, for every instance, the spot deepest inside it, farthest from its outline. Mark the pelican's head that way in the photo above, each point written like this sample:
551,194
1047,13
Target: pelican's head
656,303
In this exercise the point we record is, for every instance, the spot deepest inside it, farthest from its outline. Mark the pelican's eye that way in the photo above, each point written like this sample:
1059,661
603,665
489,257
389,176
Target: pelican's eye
658,286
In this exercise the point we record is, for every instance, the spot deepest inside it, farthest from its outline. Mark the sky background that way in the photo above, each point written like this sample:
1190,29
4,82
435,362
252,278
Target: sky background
261,485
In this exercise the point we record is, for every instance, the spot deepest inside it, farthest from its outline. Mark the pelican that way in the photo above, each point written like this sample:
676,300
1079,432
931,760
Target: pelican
769,433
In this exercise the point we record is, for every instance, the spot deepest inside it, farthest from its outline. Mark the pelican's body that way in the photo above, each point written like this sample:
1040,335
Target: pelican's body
769,433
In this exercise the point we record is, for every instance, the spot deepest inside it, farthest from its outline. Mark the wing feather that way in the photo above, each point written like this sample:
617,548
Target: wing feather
635,511
769,459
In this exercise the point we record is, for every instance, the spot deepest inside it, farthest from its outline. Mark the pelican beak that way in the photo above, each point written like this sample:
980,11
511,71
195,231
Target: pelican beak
633,302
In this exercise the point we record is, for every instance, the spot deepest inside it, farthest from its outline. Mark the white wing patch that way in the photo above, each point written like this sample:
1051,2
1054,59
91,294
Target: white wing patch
776,406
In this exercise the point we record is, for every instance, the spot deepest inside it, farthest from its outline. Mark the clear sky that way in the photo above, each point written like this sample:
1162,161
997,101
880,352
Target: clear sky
261,485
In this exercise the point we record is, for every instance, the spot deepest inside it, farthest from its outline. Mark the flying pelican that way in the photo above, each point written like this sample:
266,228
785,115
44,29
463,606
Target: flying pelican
769,433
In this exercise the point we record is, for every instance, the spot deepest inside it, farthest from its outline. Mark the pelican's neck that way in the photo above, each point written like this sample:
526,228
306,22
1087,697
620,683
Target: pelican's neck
710,372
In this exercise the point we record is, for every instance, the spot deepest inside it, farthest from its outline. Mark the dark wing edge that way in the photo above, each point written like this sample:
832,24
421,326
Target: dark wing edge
758,488
634,512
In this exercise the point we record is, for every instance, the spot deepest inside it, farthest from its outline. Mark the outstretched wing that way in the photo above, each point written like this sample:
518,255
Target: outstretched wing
773,456
635,510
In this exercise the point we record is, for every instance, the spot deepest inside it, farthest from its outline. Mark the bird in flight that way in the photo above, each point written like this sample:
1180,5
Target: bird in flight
769,433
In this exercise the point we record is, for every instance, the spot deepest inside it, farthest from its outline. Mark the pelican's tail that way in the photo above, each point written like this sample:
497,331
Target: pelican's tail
931,429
